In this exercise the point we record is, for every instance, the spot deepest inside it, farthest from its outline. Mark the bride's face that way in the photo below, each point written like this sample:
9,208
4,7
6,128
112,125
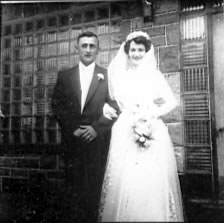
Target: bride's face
136,53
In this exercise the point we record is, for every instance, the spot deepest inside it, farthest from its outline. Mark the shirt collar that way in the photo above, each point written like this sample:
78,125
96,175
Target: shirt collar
90,67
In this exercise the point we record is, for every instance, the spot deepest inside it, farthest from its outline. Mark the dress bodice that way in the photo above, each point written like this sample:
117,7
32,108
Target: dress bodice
142,89
134,90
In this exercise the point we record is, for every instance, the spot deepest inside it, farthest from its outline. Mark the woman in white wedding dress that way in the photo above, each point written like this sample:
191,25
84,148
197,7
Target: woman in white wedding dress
141,183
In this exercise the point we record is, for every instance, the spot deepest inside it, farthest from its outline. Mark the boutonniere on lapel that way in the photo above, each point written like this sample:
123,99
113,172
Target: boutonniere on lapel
100,76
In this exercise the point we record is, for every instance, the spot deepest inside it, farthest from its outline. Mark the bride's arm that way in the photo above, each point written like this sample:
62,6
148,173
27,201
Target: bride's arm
165,100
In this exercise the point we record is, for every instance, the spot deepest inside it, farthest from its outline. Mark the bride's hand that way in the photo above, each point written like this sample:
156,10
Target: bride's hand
109,112
159,101
149,111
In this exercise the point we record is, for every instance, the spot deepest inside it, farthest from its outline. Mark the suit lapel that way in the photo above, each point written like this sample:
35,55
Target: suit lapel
75,80
93,86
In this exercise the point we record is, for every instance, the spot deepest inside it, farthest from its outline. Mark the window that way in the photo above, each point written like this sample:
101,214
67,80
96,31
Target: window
196,93
31,59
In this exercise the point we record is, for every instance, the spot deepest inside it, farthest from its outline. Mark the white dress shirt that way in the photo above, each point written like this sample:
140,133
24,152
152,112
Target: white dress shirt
86,75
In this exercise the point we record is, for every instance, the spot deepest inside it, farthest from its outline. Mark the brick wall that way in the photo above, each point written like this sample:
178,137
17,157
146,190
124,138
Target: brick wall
29,182
23,167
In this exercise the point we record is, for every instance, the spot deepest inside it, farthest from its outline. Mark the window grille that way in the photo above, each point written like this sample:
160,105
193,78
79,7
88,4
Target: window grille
199,158
193,28
189,6
196,107
199,5
195,90
195,79
27,94
6,82
197,132
6,55
27,123
16,109
194,54
34,49
217,3
63,34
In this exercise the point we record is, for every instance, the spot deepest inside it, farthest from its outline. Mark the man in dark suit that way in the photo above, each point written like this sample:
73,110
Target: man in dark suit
78,100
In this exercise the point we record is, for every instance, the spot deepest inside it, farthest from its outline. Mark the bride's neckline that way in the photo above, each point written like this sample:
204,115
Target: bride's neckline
132,66
131,71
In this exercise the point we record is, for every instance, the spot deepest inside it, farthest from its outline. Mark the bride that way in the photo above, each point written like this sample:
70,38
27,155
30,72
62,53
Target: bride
141,181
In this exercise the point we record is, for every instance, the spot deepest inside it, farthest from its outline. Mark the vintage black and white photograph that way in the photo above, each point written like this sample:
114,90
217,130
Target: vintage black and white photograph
112,111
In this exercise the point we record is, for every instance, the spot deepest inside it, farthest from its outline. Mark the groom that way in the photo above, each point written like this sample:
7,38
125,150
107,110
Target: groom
78,99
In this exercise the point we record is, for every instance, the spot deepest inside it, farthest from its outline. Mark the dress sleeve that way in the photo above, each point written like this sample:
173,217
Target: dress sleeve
164,94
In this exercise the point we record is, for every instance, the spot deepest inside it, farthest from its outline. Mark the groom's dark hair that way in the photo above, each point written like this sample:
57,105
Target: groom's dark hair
139,40
87,34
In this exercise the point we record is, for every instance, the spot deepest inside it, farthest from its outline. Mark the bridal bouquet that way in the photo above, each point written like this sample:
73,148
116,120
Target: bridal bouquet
143,129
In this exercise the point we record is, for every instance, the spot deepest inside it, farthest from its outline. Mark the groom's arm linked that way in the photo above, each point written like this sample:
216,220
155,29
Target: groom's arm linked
67,109
103,123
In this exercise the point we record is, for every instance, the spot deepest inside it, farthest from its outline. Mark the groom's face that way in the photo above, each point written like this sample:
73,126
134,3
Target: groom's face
88,48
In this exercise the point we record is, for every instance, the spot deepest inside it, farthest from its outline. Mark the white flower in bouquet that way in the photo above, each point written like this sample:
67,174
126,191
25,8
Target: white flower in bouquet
143,126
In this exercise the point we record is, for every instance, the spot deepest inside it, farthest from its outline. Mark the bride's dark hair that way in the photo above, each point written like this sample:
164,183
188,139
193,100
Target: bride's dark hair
138,40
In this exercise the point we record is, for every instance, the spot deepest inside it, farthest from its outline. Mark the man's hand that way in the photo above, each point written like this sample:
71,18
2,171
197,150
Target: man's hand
86,132
77,133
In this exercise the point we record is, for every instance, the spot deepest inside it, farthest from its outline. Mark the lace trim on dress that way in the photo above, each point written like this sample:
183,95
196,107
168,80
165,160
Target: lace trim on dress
105,187
172,208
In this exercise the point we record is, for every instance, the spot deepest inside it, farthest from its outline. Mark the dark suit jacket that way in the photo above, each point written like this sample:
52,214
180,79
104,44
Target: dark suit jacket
84,163
66,103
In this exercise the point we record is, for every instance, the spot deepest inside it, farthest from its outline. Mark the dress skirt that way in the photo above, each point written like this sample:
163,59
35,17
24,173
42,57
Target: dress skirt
140,185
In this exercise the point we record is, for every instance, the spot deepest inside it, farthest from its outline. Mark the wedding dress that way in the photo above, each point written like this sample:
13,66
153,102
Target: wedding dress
140,184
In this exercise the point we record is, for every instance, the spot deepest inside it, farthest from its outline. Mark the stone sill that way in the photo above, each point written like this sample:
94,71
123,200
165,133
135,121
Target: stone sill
208,203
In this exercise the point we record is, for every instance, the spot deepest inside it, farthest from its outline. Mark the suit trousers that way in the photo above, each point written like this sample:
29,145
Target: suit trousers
84,177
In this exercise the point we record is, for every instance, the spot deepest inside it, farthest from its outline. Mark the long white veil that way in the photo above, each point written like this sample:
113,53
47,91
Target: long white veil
126,186
120,64
149,79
